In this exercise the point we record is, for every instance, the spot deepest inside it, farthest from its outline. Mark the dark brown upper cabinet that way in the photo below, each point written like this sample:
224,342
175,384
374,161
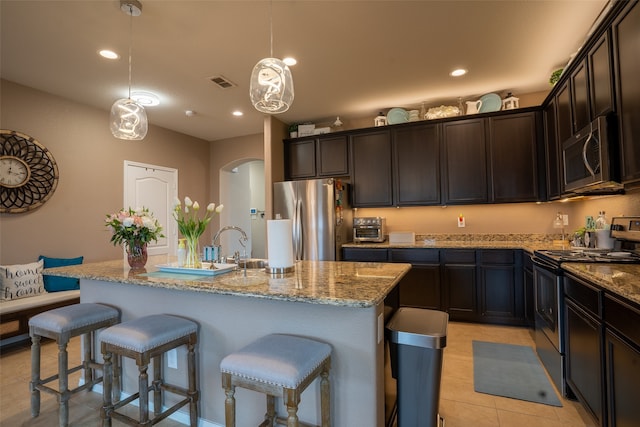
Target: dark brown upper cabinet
300,159
371,173
317,157
552,152
464,160
416,152
513,154
626,34
600,77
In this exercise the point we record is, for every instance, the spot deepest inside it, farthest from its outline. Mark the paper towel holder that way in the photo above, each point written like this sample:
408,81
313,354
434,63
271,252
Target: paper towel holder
277,271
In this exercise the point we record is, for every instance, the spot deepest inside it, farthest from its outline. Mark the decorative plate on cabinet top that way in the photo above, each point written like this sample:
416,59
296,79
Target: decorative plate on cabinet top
490,103
397,115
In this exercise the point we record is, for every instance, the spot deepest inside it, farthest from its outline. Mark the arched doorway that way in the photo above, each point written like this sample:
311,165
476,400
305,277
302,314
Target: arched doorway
242,193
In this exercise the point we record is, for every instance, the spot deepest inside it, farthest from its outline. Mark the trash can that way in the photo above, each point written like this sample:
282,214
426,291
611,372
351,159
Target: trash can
417,338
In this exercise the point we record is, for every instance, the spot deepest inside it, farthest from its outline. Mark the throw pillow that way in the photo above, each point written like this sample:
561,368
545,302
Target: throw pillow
21,280
56,283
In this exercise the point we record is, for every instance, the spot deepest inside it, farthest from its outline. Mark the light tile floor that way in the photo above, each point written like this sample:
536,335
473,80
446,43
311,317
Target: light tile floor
459,404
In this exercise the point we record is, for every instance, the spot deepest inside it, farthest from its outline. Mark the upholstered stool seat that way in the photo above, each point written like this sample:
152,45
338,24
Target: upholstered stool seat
61,324
146,339
278,365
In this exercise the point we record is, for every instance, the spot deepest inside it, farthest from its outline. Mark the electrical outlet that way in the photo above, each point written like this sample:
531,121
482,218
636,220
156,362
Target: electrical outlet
461,222
565,219
172,358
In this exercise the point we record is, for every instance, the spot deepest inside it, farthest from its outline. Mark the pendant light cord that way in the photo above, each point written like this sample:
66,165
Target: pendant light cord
271,25
130,44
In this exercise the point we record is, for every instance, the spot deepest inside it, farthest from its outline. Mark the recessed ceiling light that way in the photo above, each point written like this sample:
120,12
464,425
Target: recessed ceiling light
109,54
146,99
458,72
189,113
237,113
290,61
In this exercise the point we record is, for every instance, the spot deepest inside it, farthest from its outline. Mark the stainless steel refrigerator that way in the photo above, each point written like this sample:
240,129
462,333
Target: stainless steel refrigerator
320,213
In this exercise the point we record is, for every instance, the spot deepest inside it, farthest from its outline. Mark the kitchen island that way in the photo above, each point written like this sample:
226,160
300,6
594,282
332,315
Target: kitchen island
341,303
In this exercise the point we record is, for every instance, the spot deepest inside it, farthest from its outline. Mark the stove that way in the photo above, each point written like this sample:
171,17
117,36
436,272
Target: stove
549,302
626,231
589,255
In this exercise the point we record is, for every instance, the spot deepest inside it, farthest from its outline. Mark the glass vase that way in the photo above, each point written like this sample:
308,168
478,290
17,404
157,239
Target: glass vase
193,253
137,255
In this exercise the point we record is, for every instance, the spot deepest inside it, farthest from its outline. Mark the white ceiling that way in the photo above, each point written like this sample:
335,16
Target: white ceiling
355,58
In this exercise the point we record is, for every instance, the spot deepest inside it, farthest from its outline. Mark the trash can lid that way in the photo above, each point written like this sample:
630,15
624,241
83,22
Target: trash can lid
419,327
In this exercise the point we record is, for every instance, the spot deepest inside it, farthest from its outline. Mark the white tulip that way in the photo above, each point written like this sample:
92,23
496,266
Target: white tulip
187,202
196,206
211,207
219,208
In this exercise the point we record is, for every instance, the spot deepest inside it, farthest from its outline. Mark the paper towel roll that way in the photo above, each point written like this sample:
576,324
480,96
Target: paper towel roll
280,243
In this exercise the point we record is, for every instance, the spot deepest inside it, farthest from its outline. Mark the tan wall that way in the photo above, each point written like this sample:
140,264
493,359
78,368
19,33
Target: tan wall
504,218
90,162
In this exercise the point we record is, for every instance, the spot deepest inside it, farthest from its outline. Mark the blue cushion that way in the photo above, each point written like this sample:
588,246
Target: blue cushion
55,283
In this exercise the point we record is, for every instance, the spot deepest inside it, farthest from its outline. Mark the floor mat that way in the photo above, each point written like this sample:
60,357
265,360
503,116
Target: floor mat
511,371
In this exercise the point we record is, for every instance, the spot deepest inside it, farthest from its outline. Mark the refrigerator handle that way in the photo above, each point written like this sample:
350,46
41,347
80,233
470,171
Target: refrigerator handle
298,230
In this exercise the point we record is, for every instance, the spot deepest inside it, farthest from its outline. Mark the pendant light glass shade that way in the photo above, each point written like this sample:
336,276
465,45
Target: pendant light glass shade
128,120
271,86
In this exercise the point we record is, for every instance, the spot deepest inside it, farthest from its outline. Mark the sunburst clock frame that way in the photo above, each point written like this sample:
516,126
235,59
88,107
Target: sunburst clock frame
28,173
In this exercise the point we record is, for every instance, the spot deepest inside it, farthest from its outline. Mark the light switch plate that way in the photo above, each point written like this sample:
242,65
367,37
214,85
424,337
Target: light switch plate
565,219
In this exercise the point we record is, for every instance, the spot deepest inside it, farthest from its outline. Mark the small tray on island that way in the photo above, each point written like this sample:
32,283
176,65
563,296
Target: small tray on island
205,270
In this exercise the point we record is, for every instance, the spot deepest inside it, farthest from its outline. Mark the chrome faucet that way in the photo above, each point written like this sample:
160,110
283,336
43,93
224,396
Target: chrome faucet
216,239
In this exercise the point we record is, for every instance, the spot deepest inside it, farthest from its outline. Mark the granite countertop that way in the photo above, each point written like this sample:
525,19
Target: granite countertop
619,279
352,284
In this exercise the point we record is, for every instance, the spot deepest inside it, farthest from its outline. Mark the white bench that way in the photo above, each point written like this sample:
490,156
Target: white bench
15,314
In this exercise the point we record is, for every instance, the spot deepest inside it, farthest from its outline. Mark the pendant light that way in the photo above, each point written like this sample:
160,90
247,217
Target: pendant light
271,88
128,118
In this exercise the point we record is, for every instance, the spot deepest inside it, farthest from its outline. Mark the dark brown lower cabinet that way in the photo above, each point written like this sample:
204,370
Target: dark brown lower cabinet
421,286
584,359
459,284
471,285
622,355
502,291
584,345
365,254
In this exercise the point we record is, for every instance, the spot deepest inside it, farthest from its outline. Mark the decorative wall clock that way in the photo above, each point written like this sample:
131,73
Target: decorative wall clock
28,173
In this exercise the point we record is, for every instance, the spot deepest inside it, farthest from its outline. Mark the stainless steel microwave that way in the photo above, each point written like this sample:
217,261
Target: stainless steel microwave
590,161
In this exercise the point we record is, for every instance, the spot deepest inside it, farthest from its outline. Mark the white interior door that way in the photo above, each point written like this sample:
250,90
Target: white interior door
154,187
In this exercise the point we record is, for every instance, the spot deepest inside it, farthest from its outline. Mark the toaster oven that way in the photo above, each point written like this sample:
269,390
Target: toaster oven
369,229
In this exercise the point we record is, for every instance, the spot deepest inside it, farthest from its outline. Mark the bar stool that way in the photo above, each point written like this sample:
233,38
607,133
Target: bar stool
278,365
146,339
61,324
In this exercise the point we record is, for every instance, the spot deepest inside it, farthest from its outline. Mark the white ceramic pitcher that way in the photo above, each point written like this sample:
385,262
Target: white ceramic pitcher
473,107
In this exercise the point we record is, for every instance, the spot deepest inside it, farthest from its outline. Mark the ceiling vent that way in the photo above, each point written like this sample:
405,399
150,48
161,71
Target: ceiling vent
222,82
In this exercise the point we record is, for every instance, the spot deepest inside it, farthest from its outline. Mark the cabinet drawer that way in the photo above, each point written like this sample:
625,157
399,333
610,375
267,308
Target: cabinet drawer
459,256
366,255
622,317
497,256
584,295
418,256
